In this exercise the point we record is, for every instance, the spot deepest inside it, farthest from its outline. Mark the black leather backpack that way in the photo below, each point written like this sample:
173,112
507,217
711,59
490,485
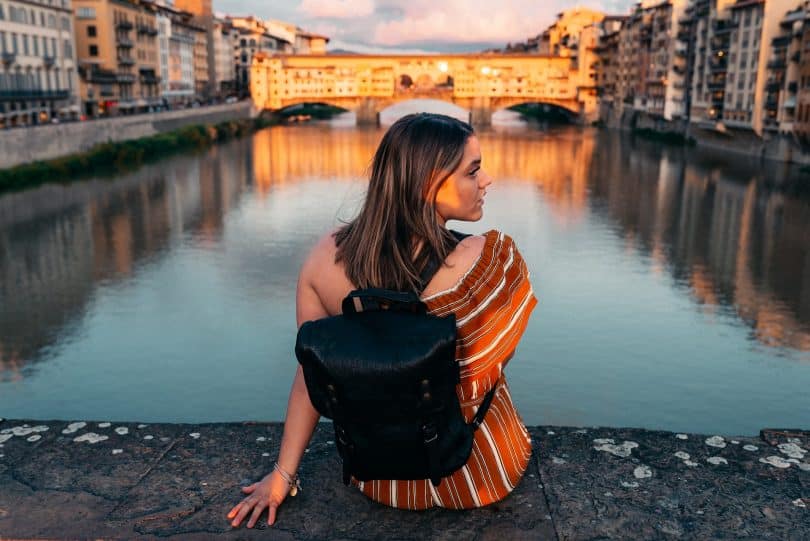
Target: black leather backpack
385,372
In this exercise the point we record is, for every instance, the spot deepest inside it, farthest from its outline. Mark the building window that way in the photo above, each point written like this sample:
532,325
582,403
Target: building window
65,23
2,13
93,50
51,21
25,44
35,39
68,49
91,31
86,13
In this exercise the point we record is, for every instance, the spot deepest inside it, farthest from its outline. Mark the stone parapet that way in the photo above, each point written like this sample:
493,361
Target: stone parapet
63,480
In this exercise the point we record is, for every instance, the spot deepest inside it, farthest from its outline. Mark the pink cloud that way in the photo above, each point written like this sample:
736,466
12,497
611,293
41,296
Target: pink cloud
469,20
339,9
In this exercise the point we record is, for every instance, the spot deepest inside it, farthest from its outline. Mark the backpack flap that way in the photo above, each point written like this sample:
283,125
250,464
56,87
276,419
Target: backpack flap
374,362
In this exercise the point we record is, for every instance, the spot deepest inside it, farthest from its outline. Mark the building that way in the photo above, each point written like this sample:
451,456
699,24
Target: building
309,43
801,126
607,65
562,37
225,38
117,51
183,56
205,53
739,68
648,66
255,37
38,74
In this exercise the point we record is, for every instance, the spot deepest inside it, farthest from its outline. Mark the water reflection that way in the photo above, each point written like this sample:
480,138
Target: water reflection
718,232
58,243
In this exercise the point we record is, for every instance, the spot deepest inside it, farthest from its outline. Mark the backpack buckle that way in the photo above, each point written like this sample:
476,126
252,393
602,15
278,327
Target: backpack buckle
429,432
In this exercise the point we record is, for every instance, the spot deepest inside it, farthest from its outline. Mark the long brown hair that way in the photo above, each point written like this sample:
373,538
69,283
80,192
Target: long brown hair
397,232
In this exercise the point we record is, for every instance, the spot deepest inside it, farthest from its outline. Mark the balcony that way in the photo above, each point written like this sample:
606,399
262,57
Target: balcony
777,64
718,66
723,26
34,94
123,42
147,30
773,86
781,41
94,74
716,84
9,58
126,60
793,86
148,77
126,78
124,24
48,60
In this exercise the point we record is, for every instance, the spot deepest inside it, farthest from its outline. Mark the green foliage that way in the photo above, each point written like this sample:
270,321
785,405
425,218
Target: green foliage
110,158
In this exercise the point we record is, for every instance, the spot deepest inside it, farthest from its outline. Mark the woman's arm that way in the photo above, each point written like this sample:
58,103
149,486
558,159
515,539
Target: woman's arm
299,423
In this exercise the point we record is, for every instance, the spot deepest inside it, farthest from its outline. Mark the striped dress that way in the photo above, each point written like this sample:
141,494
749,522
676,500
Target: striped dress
492,303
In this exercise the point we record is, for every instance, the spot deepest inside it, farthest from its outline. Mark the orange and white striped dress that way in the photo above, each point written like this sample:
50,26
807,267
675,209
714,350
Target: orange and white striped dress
492,303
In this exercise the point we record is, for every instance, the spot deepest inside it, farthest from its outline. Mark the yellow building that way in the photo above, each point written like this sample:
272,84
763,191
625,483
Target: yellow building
116,48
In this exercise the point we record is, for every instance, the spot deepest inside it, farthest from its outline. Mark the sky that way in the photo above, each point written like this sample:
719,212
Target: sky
369,26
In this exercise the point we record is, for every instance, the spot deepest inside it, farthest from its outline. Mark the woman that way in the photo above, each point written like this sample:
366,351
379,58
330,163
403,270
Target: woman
426,171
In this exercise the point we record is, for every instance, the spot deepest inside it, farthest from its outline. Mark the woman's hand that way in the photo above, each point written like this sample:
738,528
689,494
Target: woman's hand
267,493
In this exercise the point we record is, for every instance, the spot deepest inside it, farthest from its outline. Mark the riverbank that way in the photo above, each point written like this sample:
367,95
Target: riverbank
110,158
106,480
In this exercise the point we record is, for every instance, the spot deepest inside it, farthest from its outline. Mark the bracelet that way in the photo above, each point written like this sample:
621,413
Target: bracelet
293,480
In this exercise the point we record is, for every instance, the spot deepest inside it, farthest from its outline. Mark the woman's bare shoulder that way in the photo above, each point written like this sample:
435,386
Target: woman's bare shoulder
460,261
324,275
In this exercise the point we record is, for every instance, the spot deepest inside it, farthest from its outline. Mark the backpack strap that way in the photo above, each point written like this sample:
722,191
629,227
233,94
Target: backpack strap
484,407
433,265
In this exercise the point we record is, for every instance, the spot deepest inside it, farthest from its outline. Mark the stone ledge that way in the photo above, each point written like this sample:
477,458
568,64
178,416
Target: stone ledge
170,480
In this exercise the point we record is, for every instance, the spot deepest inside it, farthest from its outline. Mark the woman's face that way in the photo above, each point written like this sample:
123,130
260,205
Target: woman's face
461,197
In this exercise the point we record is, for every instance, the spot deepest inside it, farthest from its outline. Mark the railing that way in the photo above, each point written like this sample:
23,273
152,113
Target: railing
124,77
124,24
9,58
779,63
48,60
126,60
25,94
124,42
723,26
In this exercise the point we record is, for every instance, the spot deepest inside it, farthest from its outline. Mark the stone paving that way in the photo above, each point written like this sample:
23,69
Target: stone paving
101,480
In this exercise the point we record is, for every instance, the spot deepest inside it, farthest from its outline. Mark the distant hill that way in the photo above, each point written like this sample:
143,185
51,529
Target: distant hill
341,51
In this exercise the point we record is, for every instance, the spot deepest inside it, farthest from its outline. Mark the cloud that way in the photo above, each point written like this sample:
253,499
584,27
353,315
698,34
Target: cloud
446,25
472,21
337,9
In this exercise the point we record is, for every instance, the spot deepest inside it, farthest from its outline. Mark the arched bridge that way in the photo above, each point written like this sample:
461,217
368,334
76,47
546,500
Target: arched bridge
367,84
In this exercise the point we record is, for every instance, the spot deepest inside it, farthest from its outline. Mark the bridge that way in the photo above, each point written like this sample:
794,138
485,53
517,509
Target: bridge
480,83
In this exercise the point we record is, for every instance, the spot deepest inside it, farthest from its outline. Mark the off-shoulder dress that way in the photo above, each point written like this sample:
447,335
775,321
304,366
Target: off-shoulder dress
492,303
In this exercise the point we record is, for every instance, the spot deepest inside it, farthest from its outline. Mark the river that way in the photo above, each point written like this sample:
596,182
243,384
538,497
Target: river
673,284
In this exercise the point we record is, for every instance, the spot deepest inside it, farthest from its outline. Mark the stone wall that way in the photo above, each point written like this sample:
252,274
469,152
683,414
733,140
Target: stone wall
778,147
23,145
